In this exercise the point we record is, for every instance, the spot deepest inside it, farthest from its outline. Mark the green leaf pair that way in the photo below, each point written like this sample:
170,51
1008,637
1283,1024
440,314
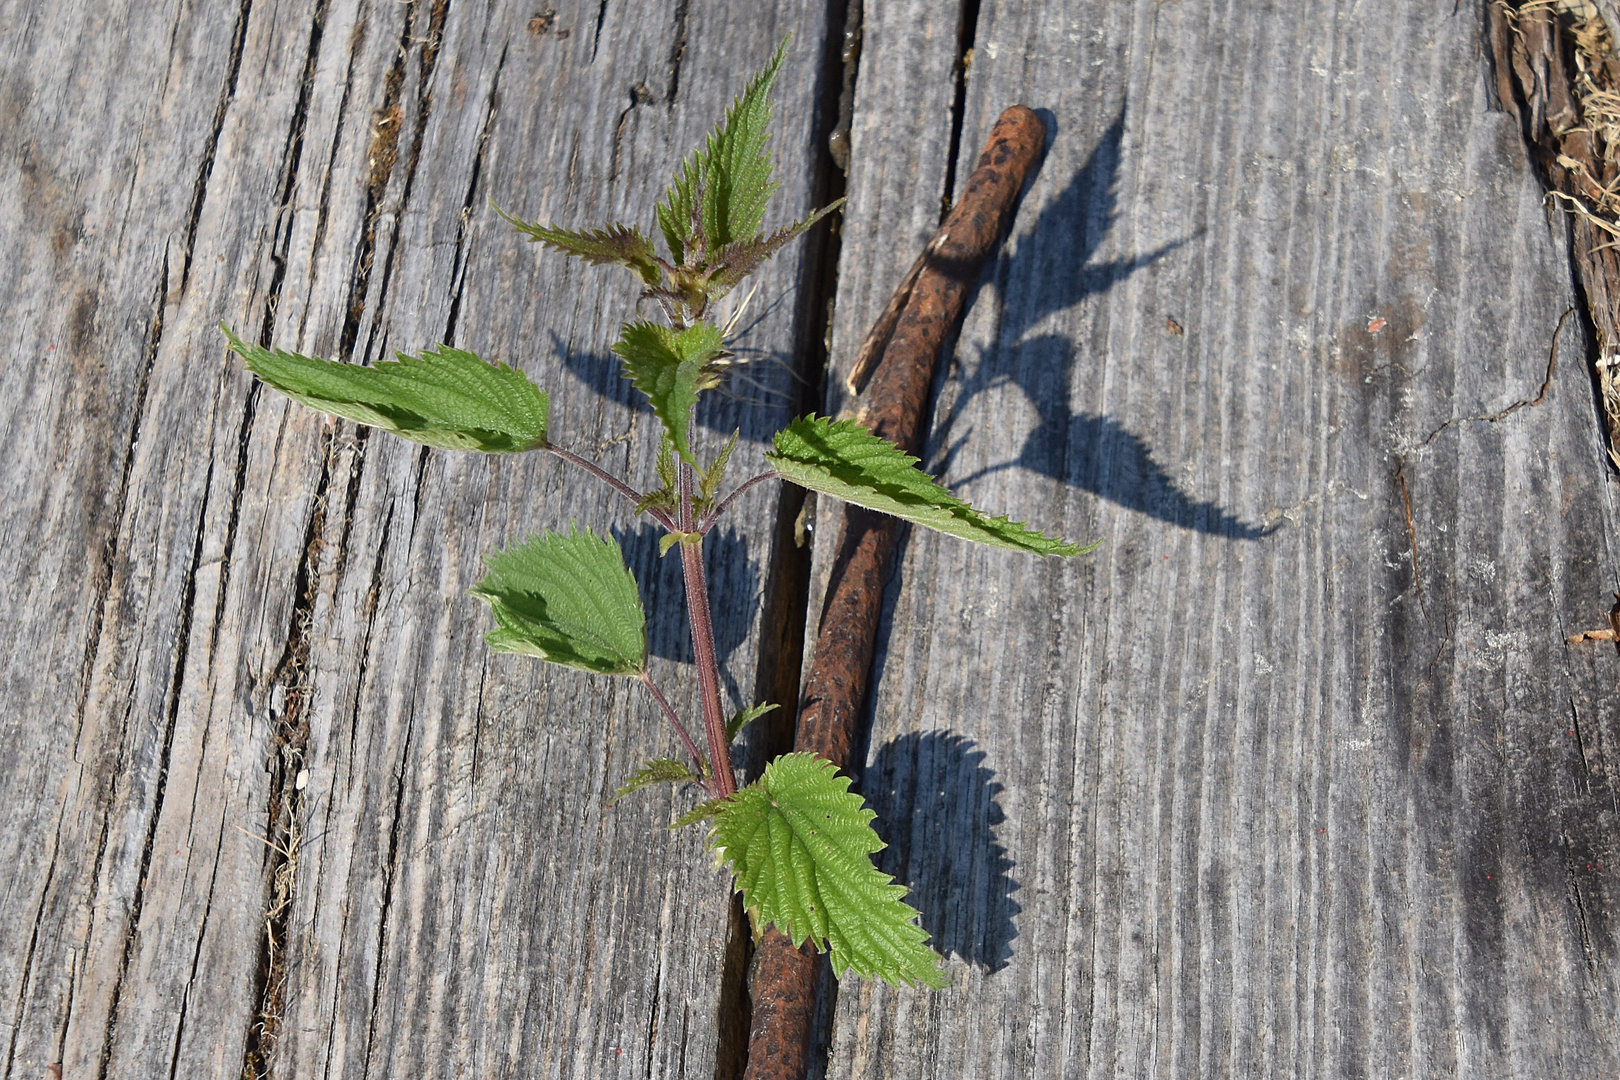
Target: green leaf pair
710,217
797,842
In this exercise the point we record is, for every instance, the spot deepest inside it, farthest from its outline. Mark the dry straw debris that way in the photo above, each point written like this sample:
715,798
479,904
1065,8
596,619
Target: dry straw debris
1580,141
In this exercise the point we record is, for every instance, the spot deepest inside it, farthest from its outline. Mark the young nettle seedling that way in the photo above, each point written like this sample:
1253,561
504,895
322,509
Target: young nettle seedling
798,843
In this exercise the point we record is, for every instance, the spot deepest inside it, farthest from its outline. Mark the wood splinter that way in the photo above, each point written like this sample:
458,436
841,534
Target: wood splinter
1610,634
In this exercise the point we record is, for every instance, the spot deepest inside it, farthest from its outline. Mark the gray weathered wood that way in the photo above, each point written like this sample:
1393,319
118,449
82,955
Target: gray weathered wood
1281,781
1284,780
895,186
229,616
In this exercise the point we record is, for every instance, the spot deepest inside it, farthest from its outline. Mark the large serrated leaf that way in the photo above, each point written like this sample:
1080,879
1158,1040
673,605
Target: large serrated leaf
445,398
846,461
800,845
567,599
667,365
724,187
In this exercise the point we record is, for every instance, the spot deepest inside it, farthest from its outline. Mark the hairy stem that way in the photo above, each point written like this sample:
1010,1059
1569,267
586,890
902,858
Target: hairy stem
612,481
714,515
674,718
708,667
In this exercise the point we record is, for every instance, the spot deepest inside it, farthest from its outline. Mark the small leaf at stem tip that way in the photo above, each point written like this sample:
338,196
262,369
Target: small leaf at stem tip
670,539
668,366
800,845
734,262
743,717
703,811
616,245
719,196
663,499
844,460
656,771
446,397
714,474
666,462
567,599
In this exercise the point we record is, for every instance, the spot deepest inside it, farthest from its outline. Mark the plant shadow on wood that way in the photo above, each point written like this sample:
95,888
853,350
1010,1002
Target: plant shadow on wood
936,802
759,394
734,581
1093,452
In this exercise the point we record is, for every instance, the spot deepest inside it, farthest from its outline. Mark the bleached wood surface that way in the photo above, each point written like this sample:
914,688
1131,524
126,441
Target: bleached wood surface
1279,782
213,593
1282,781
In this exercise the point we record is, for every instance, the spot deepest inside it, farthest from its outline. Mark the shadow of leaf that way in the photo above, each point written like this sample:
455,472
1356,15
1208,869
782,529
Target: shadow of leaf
1097,454
1051,272
936,806
663,591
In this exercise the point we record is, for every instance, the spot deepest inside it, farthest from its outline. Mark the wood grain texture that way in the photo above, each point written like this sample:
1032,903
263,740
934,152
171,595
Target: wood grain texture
254,641
900,156
1296,776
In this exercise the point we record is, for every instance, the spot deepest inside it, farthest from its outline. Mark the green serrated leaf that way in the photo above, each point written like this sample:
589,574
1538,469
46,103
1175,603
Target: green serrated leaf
616,245
675,213
703,811
446,397
666,462
567,599
714,474
723,188
656,771
667,365
800,845
743,717
656,500
662,498
844,460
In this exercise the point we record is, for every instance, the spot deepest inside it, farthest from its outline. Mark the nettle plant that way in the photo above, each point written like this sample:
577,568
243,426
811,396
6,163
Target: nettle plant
797,841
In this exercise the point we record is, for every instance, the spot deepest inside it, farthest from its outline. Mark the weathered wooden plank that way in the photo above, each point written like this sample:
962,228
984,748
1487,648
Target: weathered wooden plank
899,158
133,905
895,183
215,639
1296,775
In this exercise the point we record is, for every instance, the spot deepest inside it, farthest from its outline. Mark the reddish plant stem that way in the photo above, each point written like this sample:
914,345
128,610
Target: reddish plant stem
725,504
611,481
703,652
697,604
675,719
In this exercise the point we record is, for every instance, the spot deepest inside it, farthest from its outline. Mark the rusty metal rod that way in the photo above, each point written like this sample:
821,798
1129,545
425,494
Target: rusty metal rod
900,356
